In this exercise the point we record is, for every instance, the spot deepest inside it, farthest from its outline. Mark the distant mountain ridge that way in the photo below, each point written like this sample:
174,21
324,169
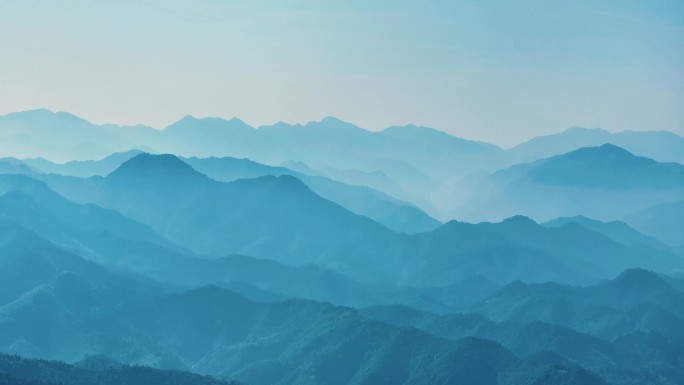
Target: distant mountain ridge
62,136
605,182
662,146
190,252
85,168
607,166
192,136
396,214
280,218
616,230
216,266
418,164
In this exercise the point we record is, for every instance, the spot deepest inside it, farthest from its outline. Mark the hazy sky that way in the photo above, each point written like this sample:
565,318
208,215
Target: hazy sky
500,71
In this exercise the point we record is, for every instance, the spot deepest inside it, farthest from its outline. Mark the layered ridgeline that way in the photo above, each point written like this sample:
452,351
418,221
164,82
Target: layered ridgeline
628,329
109,238
72,309
617,230
280,218
662,146
79,310
216,265
605,182
415,164
405,162
329,142
394,213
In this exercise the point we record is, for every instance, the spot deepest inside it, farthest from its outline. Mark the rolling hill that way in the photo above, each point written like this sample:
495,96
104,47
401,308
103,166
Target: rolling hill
218,332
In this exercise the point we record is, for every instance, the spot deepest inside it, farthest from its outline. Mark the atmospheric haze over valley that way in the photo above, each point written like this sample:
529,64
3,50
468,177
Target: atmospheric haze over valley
514,243
326,253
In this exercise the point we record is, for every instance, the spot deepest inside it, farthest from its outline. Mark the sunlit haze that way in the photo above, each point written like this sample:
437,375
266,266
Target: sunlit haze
502,72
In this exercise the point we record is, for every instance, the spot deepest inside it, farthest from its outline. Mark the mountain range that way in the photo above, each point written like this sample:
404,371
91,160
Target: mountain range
394,213
295,226
216,331
662,146
631,356
415,164
213,252
606,183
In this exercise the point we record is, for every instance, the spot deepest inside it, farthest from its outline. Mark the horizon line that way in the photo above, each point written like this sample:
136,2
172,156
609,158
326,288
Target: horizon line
328,117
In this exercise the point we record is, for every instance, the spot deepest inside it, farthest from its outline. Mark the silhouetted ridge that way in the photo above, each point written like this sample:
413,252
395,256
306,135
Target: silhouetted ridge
291,183
155,168
519,220
662,146
436,139
287,184
639,278
607,166
607,149
16,182
331,121
579,129
207,125
452,225
45,115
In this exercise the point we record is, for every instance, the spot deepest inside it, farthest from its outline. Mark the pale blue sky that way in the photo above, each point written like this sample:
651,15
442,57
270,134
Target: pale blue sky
500,71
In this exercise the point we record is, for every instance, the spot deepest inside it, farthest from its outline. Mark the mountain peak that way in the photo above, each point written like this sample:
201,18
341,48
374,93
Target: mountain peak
606,152
639,278
43,115
207,123
186,118
590,153
609,147
607,166
413,129
155,168
519,220
32,112
332,120
580,129
335,124
146,159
